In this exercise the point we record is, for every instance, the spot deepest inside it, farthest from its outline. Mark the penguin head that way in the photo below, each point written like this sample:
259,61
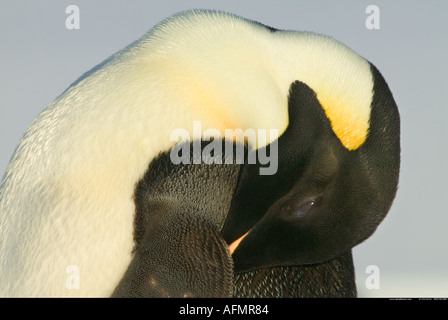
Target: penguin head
338,125
325,198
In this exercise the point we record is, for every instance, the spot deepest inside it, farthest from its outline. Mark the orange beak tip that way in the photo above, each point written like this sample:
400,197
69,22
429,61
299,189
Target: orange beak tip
235,244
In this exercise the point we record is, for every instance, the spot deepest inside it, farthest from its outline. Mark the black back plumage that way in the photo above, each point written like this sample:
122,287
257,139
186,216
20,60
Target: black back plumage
331,279
180,210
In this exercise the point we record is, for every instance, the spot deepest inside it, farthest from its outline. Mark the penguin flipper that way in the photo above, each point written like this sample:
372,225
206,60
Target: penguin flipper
180,256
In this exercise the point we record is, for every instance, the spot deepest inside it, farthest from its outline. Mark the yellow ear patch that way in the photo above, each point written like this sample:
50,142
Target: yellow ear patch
343,83
341,79
350,122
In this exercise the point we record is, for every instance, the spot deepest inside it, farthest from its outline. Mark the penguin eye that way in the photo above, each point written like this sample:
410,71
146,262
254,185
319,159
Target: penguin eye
304,208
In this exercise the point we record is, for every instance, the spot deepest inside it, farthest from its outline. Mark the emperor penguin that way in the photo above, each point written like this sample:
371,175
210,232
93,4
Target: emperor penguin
92,203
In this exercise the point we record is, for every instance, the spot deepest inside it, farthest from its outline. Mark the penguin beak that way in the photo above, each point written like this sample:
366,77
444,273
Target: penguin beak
235,244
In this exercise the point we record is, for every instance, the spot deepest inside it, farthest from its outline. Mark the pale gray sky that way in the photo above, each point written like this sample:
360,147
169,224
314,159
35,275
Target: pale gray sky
40,58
